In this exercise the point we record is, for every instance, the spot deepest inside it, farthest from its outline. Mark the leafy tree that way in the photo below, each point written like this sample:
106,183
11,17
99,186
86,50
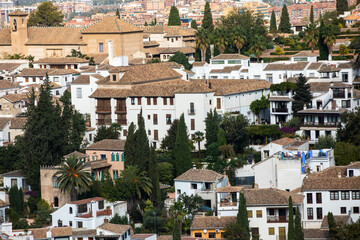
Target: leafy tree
165,172
198,138
168,143
221,41
258,105
283,87
242,218
312,15
154,177
302,95
142,152
341,6
345,153
194,24
9,158
104,132
207,22
236,131
279,50
117,219
212,123
43,216
284,25
202,42
176,235
73,177
297,226
21,224
325,142
237,38
191,204
332,225
174,17
311,37
181,58
79,54
343,50
258,46
130,146
291,225
153,219
181,152
273,27
46,15
349,131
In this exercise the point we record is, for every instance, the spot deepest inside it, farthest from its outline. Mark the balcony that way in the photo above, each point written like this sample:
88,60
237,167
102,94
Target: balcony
280,110
339,95
103,121
103,110
228,204
122,121
191,111
277,219
317,124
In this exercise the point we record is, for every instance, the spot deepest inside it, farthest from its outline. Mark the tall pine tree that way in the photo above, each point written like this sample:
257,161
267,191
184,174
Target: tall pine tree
242,218
302,95
141,145
332,225
130,146
299,233
291,227
207,22
181,151
154,177
273,27
174,17
284,25
341,6
312,15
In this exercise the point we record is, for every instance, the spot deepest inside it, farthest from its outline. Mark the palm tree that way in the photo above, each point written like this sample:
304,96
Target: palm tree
198,137
329,36
311,37
237,39
73,177
221,39
257,47
202,42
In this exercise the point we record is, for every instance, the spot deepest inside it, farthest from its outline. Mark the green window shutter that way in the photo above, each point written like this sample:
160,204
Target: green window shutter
122,157
112,157
102,175
117,157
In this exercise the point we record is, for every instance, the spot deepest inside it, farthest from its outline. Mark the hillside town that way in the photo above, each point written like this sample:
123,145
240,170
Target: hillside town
179,120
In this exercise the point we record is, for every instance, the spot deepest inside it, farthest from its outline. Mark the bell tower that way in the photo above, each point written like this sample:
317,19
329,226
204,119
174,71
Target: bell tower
18,28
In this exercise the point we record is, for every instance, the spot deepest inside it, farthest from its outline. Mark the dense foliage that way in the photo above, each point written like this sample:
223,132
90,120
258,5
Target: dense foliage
46,15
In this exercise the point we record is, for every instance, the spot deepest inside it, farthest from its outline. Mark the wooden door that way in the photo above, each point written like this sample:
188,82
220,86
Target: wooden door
282,233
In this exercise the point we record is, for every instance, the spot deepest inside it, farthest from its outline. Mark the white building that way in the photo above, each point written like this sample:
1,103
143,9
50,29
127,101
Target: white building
15,178
282,144
8,87
88,213
336,190
202,182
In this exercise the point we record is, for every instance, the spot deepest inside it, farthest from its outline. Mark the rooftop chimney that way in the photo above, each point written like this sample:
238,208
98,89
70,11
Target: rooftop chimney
339,174
110,49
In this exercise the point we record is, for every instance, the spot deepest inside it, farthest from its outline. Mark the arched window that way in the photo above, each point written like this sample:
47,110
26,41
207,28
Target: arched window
56,202
117,157
57,92
112,157
70,210
59,223
122,157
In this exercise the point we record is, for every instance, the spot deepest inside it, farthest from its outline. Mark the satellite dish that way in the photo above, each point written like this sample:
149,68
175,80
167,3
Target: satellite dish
205,231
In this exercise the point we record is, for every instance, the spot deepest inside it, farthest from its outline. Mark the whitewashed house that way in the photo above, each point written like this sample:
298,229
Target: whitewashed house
15,178
282,144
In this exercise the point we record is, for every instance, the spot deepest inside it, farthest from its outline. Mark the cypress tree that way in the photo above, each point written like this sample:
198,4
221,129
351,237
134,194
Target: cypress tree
146,24
130,146
208,54
142,146
323,49
242,218
284,25
291,228
273,27
207,22
312,15
176,234
299,234
332,225
117,13
181,151
174,17
194,24
341,6
302,95
212,124
154,177
168,142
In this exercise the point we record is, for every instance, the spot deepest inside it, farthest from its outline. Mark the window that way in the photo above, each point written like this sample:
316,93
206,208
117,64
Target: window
345,195
310,213
102,156
124,133
269,77
351,173
356,210
212,235
234,62
155,119
355,195
192,121
80,224
218,103
318,198
149,117
101,204
132,101
218,62
13,182
193,186
113,157
56,202
59,223
165,101
155,101
122,157
70,223
101,47
178,191
168,119
259,213
149,132
198,235
343,210
82,208
156,135
117,157
271,212
345,77
271,231
56,79
319,213
114,77
139,101
171,101
309,198
78,93
334,195
55,183
148,101
249,214
70,210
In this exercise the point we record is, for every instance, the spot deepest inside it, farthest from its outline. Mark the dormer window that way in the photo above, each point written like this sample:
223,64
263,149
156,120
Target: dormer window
351,173
114,77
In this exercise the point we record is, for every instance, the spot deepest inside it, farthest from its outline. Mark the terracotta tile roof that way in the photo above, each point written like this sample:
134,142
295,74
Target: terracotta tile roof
76,154
338,219
39,233
4,122
173,50
86,215
88,200
151,44
283,67
61,231
229,56
4,204
316,233
355,165
16,173
54,36
211,222
83,232
328,68
105,212
198,64
34,72
227,189
62,60
5,36
82,79
111,24
356,93
142,235
99,164
245,70
115,228
305,53
108,145
9,66
199,175
5,84
314,66
16,97
137,61
17,12
270,196
226,69
99,58
280,99
323,111
18,123
171,31
284,141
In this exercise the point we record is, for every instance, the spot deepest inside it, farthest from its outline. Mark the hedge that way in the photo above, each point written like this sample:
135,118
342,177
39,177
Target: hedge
285,53
342,57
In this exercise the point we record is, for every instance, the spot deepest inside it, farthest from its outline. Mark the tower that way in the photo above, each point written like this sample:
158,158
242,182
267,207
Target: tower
18,28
